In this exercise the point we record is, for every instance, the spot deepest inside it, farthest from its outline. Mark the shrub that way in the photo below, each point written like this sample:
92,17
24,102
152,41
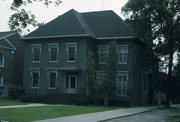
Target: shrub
82,101
32,98
15,92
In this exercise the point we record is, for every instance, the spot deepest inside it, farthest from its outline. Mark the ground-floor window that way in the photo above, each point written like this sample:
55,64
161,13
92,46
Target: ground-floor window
71,83
35,78
122,82
1,80
52,79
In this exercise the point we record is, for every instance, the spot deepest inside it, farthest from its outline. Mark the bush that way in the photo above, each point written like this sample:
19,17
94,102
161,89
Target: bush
15,92
82,101
32,98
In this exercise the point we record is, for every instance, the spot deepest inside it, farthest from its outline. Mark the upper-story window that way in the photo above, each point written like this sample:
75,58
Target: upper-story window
53,50
1,80
71,49
103,54
36,50
122,81
122,51
1,60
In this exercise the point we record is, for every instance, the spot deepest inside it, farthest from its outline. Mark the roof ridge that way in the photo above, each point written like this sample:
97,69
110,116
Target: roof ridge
83,23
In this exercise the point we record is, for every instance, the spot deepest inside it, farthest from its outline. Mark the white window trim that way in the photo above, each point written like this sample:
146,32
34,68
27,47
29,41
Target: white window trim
54,45
52,71
35,70
67,50
99,47
69,83
127,47
2,83
2,60
123,73
32,46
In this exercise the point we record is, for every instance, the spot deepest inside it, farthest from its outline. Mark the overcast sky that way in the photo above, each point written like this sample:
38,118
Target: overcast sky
44,14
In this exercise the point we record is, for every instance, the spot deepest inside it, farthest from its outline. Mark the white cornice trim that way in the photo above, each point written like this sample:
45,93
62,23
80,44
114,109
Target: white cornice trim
61,36
10,43
8,35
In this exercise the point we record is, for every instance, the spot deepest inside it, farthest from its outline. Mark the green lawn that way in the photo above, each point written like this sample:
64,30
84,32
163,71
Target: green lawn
46,112
7,102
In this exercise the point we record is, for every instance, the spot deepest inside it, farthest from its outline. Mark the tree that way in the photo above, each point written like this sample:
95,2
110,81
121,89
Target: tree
90,68
108,87
162,18
21,17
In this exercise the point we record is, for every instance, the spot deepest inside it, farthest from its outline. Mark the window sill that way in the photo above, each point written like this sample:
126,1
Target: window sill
34,87
36,62
52,88
71,61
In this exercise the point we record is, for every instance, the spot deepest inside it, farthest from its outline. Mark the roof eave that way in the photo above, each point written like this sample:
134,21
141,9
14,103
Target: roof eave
60,36
122,37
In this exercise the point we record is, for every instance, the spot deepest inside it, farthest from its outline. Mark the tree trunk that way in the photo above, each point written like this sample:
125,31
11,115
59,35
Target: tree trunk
168,94
105,100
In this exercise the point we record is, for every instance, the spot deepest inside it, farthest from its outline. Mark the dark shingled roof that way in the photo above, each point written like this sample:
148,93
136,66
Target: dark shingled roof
5,34
100,24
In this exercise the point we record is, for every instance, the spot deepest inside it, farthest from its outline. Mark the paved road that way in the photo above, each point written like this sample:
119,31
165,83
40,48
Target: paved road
158,115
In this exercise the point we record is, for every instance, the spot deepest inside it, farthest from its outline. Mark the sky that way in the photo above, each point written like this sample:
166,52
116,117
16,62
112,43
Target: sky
46,14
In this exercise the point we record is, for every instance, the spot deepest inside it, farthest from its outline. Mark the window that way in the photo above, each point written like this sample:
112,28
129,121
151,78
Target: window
103,54
122,54
52,79
53,50
1,80
122,80
71,82
1,60
35,78
36,50
71,49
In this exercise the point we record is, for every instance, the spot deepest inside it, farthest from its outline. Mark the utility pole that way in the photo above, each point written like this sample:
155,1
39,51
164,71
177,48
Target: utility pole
102,4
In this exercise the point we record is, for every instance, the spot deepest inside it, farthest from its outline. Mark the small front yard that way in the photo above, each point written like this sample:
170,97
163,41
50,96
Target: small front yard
8,102
47,112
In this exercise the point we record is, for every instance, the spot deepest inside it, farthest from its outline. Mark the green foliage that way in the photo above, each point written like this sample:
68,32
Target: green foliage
108,87
15,92
90,68
161,21
22,18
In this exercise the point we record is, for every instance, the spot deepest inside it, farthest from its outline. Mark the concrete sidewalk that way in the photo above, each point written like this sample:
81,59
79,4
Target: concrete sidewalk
100,116
28,105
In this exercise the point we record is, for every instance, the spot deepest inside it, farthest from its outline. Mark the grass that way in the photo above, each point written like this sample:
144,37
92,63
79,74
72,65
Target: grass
8,102
47,112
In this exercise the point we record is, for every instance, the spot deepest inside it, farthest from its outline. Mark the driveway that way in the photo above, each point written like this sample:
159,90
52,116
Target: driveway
157,115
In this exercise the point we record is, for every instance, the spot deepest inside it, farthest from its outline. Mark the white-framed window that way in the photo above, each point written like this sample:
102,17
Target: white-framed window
53,52
1,80
103,54
35,78
1,60
52,78
71,82
36,50
71,49
122,51
122,82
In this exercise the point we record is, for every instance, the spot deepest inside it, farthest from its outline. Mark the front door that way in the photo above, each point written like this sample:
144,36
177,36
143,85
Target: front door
71,84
